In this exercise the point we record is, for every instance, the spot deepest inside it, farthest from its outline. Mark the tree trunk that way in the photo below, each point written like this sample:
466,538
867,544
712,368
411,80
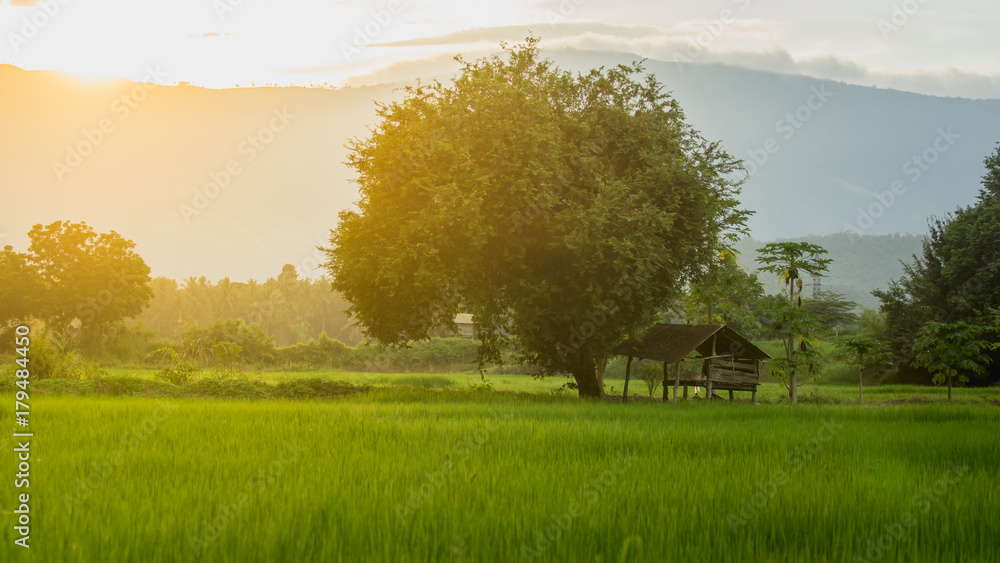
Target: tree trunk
793,377
861,385
601,368
794,391
793,380
949,388
628,372
585,373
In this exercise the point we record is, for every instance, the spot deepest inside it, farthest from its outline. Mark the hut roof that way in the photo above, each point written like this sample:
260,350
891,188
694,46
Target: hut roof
672,343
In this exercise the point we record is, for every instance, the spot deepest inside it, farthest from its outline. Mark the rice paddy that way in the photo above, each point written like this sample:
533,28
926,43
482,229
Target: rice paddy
427,473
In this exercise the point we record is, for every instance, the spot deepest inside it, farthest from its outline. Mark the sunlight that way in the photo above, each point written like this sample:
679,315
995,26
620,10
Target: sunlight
91,76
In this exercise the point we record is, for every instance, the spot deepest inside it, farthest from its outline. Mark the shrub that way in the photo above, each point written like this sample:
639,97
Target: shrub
256,345
227,356
652,374
177,371
55,356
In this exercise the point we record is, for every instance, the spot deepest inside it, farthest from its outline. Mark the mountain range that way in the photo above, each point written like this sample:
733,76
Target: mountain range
237,182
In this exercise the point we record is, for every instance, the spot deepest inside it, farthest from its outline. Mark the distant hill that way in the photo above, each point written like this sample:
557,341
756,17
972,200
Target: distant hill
164,146
860,263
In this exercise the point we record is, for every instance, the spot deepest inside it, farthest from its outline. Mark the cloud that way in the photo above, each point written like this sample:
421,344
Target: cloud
949,82
438,66
694,43
691,42
510,33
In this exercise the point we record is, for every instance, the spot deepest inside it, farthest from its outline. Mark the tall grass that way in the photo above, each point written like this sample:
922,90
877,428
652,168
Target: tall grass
406,474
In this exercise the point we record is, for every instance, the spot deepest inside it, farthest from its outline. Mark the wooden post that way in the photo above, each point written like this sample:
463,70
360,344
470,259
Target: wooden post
628,371
711,372
756,371
665,382
730,395
685,392
677,380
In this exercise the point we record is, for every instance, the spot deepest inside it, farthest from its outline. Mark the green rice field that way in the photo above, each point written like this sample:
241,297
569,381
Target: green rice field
421,472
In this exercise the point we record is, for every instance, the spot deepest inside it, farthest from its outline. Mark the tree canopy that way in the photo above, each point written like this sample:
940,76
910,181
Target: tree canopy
950,351
95,277
832,310
725,293
21,287
957,276
562,210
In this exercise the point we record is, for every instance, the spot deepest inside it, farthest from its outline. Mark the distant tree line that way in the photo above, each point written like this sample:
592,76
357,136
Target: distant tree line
290,309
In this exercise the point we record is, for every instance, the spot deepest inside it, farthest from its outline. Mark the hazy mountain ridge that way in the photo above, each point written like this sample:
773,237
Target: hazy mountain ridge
860,264
164,151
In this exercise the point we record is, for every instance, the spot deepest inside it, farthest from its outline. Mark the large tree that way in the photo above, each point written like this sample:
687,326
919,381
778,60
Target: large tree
832,309
97,278
562,210
22,289
957,276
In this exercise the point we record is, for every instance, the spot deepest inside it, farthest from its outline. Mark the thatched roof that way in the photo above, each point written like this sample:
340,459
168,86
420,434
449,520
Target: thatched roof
672,343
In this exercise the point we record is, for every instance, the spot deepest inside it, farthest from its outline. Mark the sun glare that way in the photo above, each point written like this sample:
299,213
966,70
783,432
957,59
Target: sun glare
92,75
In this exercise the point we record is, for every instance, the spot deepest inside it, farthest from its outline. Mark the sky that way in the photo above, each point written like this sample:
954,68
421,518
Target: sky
926,46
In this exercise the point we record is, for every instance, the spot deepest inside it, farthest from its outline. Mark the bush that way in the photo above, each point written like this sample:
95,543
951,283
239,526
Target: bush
425,381
227,357
323,352
177,370
127,344
652,374
55,356
436,354
314,388
256,345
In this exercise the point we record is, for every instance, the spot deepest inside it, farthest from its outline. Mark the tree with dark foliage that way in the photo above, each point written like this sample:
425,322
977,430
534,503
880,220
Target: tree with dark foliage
562,211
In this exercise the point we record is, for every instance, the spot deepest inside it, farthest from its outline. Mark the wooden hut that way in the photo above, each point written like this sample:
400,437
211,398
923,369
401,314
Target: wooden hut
729,361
